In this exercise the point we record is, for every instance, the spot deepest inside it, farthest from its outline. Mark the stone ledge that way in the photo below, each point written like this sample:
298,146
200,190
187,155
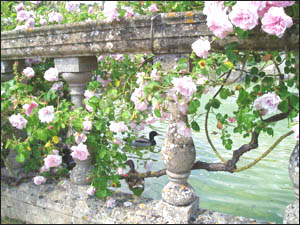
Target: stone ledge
57,203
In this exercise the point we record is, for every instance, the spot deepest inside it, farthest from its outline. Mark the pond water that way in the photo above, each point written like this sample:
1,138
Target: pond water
261,192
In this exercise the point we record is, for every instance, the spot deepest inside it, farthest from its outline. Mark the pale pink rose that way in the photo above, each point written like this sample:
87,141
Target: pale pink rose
138,97
89,108
80,137
29,107
17,121
119,57
111,203
281,3
87,125
201,47
183,107
29,23
52,161
100,58
34,60
80,152
201,80
55,17
88,94
19,7
231,119
44,168
120,171
155,74
38,180
72,6
150,120
46,114
90,10
91,190
244,15
219,25
141,106
184,85
28,72
129,12
211,7
153,8
51,74
110,11
148,165
183,130
268,103
296,131
117,142
55,152
275,21
118,127
22,15
57,86
43,22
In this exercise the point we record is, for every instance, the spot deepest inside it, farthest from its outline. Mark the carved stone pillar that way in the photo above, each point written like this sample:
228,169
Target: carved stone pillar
7,69
291,215
77,73
179,202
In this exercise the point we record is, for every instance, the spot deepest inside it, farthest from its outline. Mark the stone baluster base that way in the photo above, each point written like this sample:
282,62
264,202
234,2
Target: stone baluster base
291,215
77,73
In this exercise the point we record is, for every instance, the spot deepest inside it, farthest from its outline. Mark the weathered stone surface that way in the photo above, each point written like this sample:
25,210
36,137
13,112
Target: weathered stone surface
172,33
65,202
7,69
81,171
76,64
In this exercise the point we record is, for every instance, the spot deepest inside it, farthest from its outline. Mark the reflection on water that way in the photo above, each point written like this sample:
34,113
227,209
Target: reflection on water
261,192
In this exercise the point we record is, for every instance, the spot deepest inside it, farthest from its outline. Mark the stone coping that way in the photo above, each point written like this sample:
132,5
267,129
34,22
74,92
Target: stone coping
64,202
168,33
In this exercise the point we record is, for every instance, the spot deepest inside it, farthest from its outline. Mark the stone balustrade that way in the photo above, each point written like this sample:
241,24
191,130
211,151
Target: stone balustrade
74,48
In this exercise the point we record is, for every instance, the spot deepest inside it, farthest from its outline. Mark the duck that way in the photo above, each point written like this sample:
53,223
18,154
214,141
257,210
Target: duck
135,184
144,142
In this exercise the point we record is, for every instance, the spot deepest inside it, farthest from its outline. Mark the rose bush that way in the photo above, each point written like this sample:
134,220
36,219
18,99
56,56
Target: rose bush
128,92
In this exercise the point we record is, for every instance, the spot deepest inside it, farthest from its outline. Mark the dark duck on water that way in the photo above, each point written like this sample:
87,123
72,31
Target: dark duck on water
144,142
135,183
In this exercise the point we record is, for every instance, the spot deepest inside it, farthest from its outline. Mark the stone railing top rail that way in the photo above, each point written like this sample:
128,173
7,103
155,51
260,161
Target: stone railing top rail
167,33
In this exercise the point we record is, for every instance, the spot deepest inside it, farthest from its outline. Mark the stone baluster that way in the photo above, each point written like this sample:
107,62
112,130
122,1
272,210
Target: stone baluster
7,69
291,215
179,202
77,73
6,75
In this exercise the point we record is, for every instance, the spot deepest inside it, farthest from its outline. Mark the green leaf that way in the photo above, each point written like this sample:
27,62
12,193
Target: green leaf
294,101
283,106
157,113
215,103
195,126
193,106
224,93
254,70
102,153
20,158
42,135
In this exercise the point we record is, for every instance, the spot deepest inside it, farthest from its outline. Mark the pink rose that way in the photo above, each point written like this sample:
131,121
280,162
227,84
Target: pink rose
55,17
201,80
268,103
80,137
120,171
88,94
22,15
19,7
139,99
281,3
153,8
55,152
201,47
17,121
80,152
184,85
72,6
118,127
57,86
150,120
29,107
110,11
117,142
46,114
53,161
244,15
28,72
35,60
44,168
43,22
111,203
183,130
87,125
129,12
231,119
89,108
38,180
29,23
91,190
275,22
51,74
90,10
